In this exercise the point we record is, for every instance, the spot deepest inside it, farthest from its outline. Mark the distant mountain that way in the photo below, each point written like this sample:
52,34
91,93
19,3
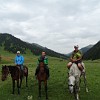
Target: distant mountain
93,53
12,44
84,50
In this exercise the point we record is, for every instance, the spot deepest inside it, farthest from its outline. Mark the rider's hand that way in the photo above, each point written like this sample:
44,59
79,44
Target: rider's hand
74,60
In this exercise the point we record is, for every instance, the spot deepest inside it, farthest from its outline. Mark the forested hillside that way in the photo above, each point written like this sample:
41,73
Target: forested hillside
12,44
93,53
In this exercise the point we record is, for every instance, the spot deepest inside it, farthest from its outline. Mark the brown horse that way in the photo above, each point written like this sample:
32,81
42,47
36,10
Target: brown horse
16,75
42,76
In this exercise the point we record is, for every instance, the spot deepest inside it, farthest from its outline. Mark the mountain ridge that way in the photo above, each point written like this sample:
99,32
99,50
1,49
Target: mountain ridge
13,44
93,53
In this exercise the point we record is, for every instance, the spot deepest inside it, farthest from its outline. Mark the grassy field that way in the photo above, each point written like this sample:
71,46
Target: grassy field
57,84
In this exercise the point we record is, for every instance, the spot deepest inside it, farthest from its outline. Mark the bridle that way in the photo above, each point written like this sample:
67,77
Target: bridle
71,85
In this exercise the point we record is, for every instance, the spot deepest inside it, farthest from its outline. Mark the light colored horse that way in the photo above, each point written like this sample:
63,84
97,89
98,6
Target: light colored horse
74,80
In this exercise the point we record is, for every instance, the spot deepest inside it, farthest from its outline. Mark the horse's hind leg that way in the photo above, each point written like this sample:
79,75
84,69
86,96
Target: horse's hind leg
85,82
46,90
13,82
20,82
39,90
26,81
18,86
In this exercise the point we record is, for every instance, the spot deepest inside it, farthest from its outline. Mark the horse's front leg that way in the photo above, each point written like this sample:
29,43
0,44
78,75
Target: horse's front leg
39,89
13,82
76,88
18,86
76,95
45,83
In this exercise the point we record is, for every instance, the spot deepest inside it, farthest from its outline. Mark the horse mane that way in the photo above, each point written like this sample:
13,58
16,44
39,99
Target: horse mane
41,63
13,68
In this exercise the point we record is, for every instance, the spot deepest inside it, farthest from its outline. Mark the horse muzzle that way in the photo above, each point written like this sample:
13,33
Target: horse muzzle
3,78
71,88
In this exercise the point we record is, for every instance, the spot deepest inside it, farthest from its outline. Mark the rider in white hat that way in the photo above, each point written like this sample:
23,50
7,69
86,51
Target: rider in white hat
19,60
76,57
18,52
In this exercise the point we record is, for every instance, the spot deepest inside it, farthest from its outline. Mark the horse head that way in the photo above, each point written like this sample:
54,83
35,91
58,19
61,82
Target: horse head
74,76
5,72
41,66
71,83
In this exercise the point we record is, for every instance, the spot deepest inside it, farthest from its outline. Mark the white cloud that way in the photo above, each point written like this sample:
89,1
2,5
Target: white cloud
56,24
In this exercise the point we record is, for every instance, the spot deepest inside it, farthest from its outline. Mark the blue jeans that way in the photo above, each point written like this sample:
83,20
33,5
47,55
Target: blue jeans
21,67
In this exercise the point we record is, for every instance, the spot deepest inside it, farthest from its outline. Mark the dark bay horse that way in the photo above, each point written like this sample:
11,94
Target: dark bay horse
42,77
16,75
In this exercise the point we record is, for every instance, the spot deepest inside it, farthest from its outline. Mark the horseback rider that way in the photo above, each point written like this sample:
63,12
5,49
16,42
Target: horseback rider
76,58
43,58
19,60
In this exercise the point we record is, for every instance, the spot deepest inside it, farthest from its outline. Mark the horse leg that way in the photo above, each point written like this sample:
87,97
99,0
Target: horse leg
39,89
85,82
76,95
26,80
45,83
18,86
79,84
76,90
13,82
20,82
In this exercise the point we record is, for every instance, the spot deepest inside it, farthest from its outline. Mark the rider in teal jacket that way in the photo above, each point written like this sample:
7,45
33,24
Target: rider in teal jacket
43,58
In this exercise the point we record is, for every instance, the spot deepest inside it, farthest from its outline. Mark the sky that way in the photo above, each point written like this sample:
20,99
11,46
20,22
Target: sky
55,24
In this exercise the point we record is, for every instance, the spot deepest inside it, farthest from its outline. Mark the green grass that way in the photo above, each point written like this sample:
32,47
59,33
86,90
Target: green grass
57,84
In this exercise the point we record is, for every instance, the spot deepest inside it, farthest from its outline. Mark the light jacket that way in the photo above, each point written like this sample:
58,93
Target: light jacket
19,60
